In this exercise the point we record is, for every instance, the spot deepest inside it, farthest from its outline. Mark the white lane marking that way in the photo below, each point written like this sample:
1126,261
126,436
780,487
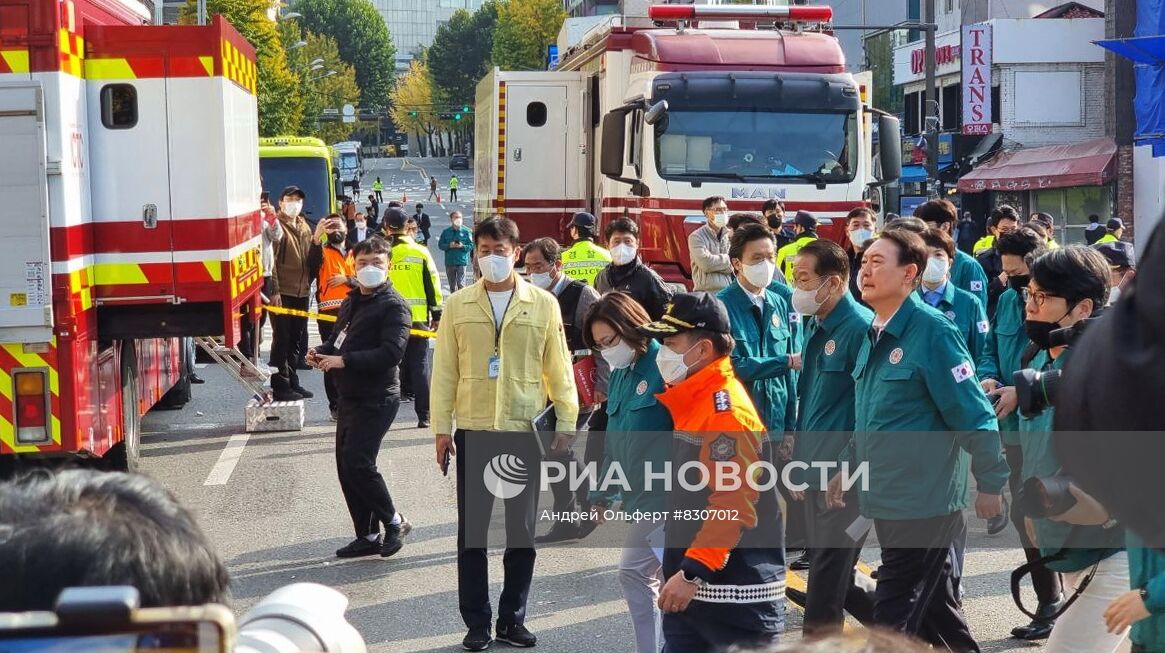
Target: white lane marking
222,470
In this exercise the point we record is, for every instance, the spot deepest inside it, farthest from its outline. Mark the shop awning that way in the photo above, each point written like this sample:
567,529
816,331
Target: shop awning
1142,49
1090,163
913,175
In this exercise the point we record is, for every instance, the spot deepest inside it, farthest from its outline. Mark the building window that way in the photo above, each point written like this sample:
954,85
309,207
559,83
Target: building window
1071,208
536,114
119,106
952,104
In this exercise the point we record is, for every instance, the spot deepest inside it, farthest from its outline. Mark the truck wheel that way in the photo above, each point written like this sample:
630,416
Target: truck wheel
125,455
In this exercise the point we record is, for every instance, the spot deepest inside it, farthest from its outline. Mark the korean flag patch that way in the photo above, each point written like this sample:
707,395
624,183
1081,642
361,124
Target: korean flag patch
976,286
963,371
721,401
983,326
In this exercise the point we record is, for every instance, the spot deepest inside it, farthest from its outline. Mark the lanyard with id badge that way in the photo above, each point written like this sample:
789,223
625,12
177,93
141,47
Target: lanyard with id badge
495,361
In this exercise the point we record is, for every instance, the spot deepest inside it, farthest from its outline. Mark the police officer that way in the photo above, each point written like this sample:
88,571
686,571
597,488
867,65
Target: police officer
1002,357
838,326
966,273
378,189
414,275
728,591
363,352
938,290
915,380
1114,230
805,227
583,260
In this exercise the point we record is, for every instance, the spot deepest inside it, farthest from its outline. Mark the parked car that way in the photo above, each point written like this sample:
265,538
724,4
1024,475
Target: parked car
459,161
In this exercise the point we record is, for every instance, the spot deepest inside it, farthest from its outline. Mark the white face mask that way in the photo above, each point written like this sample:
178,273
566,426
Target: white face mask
457,223
936,270
671,365
371,276
805,301
622,254
496,269
542,279
859,236
292,209
361,225
718,220
760,274
619,355
1114,295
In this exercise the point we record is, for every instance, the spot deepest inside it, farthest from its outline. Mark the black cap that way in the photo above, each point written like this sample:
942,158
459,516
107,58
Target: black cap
687,311
1045,219
805,220
395,218
1118,254
583,219
1114,224
292,190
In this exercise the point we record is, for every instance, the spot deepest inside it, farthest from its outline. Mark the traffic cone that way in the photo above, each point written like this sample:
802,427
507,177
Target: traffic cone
438,198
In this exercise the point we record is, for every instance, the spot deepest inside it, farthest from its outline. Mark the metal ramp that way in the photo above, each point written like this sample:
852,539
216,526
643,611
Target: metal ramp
261,413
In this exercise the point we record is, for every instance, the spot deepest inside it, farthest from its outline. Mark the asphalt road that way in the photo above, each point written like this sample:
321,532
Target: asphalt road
275,514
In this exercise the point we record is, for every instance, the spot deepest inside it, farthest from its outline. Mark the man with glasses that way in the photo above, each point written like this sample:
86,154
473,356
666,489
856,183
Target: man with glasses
708,248
1004,220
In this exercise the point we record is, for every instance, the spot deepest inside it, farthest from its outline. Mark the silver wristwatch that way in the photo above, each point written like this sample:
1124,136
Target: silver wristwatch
697,581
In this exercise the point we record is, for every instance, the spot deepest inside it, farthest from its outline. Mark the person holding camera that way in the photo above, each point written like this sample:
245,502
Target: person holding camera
1002,357
1067,286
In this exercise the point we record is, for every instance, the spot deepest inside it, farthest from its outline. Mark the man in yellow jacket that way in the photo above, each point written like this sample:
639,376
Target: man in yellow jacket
501,351
805,226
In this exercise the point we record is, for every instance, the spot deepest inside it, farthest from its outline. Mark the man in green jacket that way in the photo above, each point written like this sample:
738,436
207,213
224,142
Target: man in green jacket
457,243
918,413
1002,357
838,325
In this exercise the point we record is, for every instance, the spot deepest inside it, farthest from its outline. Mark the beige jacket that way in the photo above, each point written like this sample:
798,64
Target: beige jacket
535,363
711,269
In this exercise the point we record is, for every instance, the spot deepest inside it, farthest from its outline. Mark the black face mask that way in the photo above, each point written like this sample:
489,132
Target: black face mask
336,238
1039,332
1019,282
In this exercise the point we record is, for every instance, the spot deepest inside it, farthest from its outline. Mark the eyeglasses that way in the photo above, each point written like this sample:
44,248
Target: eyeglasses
1037,297
608,343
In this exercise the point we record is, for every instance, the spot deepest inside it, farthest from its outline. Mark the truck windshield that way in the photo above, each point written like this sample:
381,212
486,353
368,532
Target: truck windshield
793,147
309,173
348,163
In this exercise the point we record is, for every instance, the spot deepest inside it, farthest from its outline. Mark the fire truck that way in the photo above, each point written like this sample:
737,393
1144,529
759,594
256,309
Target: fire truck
647,114
128,217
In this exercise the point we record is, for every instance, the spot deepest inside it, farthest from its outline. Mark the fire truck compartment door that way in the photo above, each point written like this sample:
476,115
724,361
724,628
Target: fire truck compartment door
133,236
25,263
536,136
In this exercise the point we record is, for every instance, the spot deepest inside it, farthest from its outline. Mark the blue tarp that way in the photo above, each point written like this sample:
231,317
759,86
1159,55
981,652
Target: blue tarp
1147,49
913,174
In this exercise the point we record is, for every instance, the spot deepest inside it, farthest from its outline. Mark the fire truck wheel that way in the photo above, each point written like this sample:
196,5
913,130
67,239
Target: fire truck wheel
124,456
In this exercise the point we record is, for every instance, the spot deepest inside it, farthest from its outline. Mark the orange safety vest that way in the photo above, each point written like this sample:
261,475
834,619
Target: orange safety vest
335,262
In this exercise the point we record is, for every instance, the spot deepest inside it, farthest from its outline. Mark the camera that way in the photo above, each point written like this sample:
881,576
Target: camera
1047,496
299,617
1035,390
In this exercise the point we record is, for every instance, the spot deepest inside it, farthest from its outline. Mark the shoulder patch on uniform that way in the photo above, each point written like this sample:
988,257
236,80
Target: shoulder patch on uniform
976,286
983,326
962,371
722,449
830,347
721,401
776,320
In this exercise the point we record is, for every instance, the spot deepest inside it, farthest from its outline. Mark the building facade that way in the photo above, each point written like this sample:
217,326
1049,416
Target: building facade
413,23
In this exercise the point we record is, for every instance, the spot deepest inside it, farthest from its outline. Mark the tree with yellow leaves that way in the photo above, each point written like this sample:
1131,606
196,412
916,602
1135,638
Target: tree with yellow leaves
322,90
524,29
412,104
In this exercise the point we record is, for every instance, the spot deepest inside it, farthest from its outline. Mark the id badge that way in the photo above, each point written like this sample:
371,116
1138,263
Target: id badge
495,367
340,338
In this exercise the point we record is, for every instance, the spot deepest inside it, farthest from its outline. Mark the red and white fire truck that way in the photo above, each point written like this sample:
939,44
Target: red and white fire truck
128,216
647,115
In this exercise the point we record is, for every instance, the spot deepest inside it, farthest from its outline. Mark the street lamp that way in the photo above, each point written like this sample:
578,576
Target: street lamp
318,61
297,45
290,15
318,66
327,74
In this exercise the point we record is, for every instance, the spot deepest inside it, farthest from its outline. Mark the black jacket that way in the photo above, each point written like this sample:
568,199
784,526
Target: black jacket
424,224
375,328
992,264
639,281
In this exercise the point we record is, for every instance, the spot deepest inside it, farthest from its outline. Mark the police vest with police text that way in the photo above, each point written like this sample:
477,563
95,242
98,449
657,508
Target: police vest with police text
584,260
412,277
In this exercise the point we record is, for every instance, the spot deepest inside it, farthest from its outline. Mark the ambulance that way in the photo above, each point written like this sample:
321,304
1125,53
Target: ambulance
301,161
129,219
651,111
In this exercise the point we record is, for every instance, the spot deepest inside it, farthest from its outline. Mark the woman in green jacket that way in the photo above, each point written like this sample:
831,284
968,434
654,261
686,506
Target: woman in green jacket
639,433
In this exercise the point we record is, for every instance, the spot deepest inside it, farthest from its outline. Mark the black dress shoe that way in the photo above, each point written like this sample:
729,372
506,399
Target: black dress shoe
358,547
394,537
796,596
478,639
516,635
306,394
1041,626
800,564
286,395
560,532
998,523
196,380
422,423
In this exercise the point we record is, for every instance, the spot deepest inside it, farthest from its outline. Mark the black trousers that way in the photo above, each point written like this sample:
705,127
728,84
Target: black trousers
684,634
326,328
359,433
251,337
917,592
289,330
473,564
453,194
831,591
579,499
417,367
1046,583
795,527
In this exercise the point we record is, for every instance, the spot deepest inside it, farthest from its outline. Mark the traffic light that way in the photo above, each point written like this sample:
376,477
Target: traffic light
465,109
412,114
457,116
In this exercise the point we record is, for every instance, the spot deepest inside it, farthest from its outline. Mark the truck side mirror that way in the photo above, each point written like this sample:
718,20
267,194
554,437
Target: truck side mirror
889,148
614,137
657,112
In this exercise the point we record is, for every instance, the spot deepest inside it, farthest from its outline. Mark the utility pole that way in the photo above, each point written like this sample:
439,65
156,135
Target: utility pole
930,122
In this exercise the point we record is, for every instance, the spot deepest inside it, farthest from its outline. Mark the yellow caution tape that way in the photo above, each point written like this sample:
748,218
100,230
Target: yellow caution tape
295,312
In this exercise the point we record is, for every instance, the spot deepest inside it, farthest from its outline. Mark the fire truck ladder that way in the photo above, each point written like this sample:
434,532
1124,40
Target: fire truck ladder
238,364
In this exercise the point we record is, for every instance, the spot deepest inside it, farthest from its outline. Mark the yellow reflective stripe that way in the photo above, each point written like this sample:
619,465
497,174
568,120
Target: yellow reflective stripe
34,360
15,60
117,274
208,65
108,69
214,268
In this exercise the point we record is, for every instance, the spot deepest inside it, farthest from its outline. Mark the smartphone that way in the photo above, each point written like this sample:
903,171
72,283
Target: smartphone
445,464
203,629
